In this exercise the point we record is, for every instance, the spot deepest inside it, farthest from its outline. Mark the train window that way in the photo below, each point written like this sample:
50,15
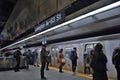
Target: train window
87,56
89,47
68,52
54,52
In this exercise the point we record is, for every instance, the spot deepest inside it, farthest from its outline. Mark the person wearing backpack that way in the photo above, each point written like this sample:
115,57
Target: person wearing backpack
74,58
116,61
98,64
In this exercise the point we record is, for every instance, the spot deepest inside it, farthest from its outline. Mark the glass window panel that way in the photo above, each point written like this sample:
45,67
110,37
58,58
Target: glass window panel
68,52
54,52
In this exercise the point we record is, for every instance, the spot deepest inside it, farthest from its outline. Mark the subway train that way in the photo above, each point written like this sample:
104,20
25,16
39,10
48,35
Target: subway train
84,46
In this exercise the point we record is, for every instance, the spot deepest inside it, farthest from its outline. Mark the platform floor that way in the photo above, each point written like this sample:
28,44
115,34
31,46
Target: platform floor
34,74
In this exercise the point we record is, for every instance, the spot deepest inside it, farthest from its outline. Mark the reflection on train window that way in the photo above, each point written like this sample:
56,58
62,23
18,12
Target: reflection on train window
88,48
87,57
68,52
54,52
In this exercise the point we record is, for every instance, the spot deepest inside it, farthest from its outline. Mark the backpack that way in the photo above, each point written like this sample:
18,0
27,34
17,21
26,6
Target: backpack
116,57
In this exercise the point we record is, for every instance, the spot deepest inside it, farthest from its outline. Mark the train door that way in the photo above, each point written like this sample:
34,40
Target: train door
54,52
67,55
88,51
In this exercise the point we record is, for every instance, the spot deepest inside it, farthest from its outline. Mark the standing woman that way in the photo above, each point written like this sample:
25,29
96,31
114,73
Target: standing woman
60,57
98,64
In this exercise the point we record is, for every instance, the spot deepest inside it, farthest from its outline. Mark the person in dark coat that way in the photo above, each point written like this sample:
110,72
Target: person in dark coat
98,64
28,59
17,57
116,61
74,58
43,56
48,59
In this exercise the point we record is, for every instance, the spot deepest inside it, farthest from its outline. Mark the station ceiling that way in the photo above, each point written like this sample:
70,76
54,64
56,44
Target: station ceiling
6,7
91,25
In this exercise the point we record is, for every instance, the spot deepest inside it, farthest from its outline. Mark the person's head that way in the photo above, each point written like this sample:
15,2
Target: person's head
61,50
29,50
98,47
18,50
74,49
92,52
117,49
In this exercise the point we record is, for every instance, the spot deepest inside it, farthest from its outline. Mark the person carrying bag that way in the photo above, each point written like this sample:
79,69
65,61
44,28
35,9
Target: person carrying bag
61,60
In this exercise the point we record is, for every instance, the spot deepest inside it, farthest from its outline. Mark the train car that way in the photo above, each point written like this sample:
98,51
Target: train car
84,46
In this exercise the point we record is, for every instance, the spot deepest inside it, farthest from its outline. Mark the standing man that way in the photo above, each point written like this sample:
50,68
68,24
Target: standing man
48,59
28,59
74,58
17,57
43,56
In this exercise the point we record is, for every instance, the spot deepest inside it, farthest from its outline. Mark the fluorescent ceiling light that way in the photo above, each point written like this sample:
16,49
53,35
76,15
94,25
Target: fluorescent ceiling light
111,6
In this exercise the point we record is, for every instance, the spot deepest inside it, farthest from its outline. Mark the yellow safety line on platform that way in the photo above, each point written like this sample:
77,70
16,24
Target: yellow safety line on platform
69,72
77,73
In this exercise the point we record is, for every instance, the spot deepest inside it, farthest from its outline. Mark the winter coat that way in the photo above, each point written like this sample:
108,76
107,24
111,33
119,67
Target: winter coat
98,64
74,57
43,56
60,57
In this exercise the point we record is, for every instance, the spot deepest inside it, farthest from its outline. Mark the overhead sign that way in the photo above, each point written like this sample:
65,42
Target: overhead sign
50,22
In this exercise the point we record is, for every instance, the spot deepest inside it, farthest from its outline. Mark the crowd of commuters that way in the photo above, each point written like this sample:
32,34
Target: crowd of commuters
97,62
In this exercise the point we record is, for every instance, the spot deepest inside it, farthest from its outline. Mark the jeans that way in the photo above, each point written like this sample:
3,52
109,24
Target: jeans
42,69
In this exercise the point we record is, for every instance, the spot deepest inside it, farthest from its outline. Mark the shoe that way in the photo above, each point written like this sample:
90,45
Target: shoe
73,73
47,69
90,75
17,70
44,78
61,71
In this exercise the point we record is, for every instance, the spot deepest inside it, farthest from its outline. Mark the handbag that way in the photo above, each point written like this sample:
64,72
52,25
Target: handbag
63,60
87,65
